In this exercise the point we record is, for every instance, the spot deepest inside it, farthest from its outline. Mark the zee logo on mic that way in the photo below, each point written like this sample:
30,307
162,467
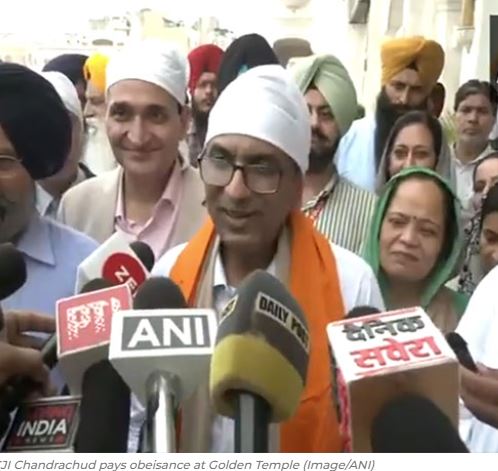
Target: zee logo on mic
121,268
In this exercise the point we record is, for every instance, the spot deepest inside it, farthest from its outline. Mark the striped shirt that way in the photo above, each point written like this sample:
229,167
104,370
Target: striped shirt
342,212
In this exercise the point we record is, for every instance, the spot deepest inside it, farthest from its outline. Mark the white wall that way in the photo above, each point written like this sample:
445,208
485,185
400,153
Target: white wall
475,61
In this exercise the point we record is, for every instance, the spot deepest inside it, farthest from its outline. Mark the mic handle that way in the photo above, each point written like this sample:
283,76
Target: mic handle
252,419
159,433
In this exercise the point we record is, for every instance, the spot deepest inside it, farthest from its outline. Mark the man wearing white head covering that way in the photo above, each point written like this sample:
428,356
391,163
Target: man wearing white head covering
153,196
253,163
50,190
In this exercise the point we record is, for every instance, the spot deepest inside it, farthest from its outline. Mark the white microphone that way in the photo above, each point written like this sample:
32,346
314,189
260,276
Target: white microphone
114,260
383,356
162,354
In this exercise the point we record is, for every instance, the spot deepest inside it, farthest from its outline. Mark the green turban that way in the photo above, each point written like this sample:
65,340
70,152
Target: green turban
330,77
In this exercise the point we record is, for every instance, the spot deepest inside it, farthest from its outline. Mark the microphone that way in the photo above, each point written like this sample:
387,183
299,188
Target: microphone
116,261
260,361
414,424
459,346
162,350
12,275
105,411
83,327
382,356
44,425
144,253
360,311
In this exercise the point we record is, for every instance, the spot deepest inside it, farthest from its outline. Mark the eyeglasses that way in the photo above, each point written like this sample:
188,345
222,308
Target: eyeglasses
9,164
261,178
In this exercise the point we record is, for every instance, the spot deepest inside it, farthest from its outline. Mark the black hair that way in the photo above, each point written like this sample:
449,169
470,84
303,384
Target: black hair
490,203
416,117
477,87
493,155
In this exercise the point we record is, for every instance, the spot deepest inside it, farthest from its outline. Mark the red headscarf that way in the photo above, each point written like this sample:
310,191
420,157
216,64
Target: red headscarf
206,58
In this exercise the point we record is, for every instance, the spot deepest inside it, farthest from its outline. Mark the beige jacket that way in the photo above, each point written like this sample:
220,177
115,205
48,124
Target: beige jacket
90,207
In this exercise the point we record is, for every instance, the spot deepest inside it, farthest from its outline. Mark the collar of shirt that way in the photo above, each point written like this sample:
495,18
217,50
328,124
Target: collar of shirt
45,202
325,193
35,241
488,150
169,196
220,278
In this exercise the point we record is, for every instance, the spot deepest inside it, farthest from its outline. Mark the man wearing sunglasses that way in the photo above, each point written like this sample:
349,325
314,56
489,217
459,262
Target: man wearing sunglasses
257,149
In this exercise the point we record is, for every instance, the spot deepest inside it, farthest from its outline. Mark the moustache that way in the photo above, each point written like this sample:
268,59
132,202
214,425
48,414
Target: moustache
318,135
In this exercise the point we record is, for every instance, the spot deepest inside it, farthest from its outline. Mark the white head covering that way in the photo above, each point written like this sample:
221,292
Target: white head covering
152,61
66,90
265,103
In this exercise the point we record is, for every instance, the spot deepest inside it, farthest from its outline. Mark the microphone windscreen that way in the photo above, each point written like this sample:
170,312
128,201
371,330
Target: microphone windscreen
414,424
262,347
159,293
104,411
95,285
144,253
360,311
12,270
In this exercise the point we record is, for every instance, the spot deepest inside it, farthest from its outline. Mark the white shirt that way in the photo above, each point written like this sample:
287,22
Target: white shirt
479,327
464,177
355,157
358,285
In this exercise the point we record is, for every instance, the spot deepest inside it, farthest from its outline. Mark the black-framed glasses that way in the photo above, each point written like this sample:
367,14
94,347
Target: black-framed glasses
260,178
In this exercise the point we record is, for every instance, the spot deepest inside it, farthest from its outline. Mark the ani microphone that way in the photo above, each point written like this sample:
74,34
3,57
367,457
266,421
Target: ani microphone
260,361
162,350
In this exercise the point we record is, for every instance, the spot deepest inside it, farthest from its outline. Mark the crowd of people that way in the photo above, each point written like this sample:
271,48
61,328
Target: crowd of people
225,162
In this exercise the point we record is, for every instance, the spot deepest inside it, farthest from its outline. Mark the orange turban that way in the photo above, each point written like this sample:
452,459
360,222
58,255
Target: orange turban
426,55
94,70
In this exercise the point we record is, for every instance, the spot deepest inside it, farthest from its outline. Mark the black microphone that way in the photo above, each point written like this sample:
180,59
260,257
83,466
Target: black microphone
361,311
414,424
144,253
12,270
459,346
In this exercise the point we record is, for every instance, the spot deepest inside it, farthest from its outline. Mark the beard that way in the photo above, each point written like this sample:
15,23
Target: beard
386,114
200,120
97,153
321,156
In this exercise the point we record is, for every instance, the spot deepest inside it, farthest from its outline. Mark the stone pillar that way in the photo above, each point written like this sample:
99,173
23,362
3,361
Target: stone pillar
447,20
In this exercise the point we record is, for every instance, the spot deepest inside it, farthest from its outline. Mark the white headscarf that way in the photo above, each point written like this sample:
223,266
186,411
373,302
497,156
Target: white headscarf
152,61
265,103
67,91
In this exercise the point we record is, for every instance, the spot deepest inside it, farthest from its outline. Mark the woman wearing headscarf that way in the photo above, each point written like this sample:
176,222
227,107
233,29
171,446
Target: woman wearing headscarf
243,54
416,139
414,245
484,178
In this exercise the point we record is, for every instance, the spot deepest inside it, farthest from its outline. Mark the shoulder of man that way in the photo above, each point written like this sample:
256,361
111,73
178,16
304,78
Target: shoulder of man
166,263
83,197
69,240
